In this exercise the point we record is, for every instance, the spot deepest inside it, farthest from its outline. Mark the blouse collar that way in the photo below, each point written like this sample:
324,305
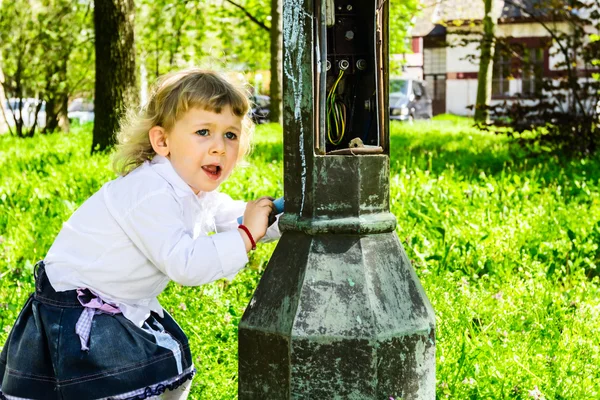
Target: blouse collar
164,168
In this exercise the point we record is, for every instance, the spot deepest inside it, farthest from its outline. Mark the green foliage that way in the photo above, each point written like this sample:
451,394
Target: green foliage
169,35
246,43
505,244
172,35
402,14
46,52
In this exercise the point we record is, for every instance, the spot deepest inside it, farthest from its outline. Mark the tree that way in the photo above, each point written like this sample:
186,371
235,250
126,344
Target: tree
402,17
46,55
65,39
3,117
115,86
170,34
486,60
21,62
250,48
275,88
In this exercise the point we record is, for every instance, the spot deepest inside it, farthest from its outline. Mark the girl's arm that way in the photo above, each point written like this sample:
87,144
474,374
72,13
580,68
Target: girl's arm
230,210
156,226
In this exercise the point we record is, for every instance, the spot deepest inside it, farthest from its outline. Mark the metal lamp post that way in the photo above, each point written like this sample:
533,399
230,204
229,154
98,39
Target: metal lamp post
339,312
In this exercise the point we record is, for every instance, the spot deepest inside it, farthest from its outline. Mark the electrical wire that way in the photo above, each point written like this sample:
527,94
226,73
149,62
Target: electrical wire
336,114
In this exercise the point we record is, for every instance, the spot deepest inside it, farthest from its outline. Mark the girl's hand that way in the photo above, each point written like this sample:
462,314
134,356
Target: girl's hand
256,219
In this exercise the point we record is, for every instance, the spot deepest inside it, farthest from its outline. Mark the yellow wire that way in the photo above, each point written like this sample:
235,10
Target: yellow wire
339,116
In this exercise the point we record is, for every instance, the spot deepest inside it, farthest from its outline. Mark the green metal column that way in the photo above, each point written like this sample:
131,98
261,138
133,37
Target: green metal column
339,312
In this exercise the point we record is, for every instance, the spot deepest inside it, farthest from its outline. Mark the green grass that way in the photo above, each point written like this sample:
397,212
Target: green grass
505,243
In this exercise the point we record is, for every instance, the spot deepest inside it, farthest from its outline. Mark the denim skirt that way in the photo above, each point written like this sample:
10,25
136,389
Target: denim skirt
43,358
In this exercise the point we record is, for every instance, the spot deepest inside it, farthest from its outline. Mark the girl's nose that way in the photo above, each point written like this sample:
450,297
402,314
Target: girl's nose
218,145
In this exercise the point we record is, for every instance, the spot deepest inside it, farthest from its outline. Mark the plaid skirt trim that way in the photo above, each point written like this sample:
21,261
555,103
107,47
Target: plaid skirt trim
139,394
154,390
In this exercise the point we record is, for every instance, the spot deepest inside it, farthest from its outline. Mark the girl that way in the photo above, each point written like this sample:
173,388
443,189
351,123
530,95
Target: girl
94,328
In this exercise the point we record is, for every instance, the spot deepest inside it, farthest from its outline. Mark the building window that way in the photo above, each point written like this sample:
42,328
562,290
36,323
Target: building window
434,60
532,69
502,75
527,64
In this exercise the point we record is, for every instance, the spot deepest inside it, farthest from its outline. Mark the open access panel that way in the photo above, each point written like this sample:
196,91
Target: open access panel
351,77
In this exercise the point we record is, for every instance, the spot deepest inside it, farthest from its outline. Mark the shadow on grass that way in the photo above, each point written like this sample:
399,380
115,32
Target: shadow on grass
439,145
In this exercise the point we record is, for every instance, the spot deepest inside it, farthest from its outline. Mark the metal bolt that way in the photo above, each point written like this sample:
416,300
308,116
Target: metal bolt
327,65
349,35
349,7
344,64
361,64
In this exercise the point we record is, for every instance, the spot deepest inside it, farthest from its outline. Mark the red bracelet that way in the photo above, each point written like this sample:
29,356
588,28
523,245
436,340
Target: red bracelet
243,227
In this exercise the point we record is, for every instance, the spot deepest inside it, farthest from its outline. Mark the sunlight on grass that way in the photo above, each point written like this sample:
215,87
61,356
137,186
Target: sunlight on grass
505,242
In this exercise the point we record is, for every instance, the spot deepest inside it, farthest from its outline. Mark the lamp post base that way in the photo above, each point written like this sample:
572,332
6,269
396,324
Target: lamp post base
338,317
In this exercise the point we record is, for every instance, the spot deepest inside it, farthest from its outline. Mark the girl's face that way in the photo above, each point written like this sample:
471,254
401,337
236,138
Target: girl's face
203,147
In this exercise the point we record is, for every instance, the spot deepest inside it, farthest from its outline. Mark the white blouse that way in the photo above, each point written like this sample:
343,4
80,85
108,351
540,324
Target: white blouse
140,231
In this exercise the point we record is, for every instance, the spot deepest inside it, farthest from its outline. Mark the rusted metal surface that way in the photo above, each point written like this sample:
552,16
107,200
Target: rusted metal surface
339,312
338,316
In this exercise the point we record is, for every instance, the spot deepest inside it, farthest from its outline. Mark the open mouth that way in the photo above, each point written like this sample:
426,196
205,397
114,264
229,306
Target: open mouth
213,171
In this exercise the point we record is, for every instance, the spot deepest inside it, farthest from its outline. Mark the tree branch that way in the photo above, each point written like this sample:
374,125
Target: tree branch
252,17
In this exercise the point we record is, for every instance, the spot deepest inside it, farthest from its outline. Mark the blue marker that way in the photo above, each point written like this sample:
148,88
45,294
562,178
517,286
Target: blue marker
278,203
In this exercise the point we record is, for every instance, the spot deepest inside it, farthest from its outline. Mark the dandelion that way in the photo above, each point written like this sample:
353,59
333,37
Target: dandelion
469,381
536,394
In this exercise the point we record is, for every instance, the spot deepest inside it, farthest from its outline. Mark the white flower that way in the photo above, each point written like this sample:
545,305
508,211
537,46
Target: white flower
536,394
469,381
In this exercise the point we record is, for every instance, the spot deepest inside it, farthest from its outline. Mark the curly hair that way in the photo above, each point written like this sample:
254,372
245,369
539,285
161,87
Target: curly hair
173,95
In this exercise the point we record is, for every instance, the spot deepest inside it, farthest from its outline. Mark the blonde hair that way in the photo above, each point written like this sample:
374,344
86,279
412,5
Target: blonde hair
173,95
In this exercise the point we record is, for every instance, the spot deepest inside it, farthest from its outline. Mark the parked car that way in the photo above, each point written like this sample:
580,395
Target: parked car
81,111
259,111
27,111
409,100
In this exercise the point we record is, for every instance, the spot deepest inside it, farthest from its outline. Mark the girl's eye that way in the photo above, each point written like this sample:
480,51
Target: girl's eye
202,132
231,135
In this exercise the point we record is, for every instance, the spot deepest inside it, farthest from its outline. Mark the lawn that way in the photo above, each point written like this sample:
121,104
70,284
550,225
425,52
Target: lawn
505,242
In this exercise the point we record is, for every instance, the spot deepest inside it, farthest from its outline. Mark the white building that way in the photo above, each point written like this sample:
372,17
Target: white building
447,64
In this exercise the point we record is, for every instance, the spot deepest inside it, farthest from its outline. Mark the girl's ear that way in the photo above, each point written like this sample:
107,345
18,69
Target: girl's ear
158,139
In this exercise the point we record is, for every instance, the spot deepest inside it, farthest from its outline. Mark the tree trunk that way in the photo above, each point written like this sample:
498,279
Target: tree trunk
486,64
63,114
56,95
115,87
19,95
51,114
57,113
3,115
276,61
